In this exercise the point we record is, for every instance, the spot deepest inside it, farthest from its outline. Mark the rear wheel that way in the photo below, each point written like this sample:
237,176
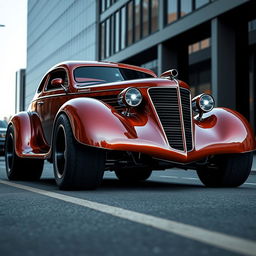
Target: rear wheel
18,168
75,166
229,170
133,174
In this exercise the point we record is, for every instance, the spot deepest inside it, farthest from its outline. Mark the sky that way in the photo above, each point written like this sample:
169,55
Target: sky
13,47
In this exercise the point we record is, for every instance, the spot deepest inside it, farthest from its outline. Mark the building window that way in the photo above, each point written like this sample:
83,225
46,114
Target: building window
137,20
107,51
103,40
123,27
200,3
198,46
154,15
105,4
185,7
172,11
130,23
117,32
145,17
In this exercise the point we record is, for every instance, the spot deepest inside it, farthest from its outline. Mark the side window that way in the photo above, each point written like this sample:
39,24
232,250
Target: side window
41,86
57,74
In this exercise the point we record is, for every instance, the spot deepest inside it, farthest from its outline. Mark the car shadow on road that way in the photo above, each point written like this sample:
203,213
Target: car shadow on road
111,184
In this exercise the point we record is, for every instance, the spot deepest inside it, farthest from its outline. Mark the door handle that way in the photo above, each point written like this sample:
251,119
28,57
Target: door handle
40,102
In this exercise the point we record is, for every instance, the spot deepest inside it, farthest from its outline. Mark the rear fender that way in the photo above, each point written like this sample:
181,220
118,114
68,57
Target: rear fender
28,135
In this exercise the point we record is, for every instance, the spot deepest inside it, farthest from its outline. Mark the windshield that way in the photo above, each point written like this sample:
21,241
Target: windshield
99,75
3,124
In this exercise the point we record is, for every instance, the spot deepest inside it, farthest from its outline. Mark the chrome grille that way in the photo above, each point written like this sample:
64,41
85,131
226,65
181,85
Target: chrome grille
167,106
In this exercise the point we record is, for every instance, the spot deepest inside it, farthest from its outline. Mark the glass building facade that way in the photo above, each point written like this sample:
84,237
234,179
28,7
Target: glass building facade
58,31
211,42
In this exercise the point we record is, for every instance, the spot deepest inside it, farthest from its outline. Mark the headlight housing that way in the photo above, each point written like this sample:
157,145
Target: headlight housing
130,97
203,103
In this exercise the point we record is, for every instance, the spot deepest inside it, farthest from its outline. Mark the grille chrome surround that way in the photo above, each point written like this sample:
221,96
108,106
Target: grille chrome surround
173,107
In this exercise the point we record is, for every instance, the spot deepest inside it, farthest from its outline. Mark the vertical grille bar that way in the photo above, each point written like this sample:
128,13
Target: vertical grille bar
186,111
167,106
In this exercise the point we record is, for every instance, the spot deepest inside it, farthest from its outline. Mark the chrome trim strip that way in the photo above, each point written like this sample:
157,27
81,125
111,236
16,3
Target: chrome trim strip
191,118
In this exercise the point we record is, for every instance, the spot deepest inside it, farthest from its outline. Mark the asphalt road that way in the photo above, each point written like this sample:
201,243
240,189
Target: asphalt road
171,214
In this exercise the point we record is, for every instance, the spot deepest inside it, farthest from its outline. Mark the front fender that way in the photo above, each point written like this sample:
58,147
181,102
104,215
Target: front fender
224,131
28,135
97,124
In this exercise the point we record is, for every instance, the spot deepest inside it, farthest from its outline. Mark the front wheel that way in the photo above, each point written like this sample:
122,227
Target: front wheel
18,168
75,166
229,170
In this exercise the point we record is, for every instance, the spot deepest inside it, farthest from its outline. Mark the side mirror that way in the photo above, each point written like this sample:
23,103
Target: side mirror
170,74
57,82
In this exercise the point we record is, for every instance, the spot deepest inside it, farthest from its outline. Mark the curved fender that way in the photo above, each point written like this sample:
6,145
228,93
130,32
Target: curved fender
225,131
96,124
29,137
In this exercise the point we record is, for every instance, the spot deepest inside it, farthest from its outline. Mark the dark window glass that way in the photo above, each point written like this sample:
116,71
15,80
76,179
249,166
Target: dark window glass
107,4
103,41
107,53
130,23
41,86
137,20
99,75
145,15
117,31
200,3
3,124
123,25
102,5
185,7
57,74
172,11
154,15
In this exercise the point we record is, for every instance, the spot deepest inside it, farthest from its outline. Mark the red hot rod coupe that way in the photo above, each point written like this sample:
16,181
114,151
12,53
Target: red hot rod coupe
89,117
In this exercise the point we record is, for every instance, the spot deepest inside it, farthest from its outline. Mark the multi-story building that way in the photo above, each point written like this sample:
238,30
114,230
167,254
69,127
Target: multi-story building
20,90
212,43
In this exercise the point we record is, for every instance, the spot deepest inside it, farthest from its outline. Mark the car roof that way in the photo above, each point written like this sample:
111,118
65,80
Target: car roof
75,64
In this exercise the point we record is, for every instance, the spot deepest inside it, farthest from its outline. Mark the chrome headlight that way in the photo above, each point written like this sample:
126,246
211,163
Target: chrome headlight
130,97
203,103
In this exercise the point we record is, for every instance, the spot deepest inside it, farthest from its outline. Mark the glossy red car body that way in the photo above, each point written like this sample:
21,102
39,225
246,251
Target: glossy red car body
99,124
83,119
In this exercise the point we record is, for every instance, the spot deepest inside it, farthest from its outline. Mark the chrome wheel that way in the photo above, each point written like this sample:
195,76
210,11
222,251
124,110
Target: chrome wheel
60,151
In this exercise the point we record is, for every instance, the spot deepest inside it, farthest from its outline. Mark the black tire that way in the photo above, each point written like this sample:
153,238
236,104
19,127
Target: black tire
229,170
18,168
130,175
76,166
